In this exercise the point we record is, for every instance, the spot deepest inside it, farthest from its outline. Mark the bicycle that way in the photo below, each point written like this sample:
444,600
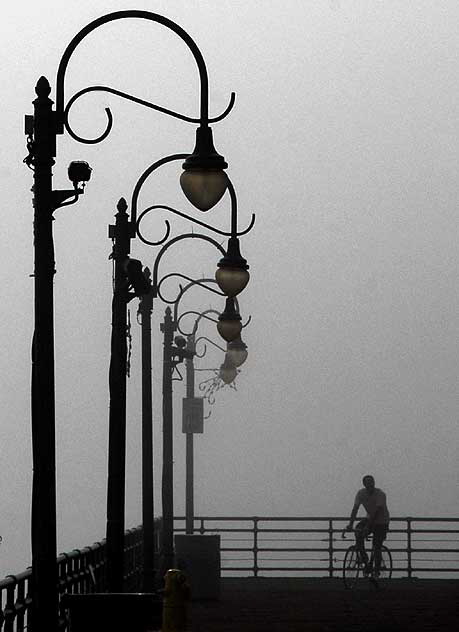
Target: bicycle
354,565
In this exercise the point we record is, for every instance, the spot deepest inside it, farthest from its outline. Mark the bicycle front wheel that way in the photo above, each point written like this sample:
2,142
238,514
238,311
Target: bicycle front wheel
351,567
385,571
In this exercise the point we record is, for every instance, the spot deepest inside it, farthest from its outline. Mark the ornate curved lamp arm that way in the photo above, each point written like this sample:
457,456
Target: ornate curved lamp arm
180,214
201,282
204,315
135,223
200,355
211,342
140,182
169,244
168,226
247,322
234,231
199,315
146,15
130,97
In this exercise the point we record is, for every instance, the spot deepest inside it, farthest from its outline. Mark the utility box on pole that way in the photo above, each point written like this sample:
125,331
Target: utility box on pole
198,556
193,415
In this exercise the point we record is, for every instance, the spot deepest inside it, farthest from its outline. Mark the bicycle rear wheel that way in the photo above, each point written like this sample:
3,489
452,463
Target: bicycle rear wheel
385,572
351,567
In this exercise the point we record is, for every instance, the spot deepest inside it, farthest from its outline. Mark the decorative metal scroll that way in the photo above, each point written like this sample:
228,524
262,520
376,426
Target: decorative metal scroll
175,211
199,317
210,387
171,242
129,97
62,110
193,282
135,222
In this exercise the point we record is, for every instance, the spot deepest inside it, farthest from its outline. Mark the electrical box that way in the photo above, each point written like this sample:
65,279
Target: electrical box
198,556
193,415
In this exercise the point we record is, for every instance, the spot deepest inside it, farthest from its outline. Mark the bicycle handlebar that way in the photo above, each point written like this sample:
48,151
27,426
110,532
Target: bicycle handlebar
344,531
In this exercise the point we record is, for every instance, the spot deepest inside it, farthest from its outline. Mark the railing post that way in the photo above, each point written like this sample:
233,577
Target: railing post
255,547
63,573
99,566
127,560
28,601
409,542
85,569
20,600
330,548
78,572
75,571
9,610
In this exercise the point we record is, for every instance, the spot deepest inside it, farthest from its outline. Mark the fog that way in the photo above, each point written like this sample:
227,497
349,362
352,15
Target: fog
343,142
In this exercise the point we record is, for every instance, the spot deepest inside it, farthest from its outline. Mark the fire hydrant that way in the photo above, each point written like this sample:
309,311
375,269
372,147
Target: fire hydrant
176,595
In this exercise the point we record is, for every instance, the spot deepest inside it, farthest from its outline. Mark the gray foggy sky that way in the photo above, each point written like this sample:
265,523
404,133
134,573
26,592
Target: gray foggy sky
343,141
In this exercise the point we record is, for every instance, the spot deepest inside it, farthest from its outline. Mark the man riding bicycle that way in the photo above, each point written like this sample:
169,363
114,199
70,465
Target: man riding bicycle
373,500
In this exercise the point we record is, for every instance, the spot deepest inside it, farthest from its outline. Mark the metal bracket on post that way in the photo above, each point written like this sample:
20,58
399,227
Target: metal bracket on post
59,197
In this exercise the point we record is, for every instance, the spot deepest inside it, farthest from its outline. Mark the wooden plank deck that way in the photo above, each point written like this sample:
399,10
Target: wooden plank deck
324,605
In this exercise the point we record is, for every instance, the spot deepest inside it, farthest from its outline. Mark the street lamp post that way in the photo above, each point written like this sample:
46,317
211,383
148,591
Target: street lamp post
233,263
117,407
41,146
204,183
189,438
169,362
167,546
172,355
189,433
227,373
129,282
144,313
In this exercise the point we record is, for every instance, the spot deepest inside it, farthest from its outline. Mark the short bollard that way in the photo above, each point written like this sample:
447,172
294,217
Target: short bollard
175,597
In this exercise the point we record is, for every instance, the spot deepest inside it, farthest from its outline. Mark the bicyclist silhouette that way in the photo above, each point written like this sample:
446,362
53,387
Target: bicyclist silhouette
373,500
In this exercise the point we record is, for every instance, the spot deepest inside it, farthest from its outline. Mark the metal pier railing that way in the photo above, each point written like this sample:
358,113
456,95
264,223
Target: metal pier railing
312,546
255,546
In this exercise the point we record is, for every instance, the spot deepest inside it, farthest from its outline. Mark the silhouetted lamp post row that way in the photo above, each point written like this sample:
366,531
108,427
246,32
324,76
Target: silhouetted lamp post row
169,327
231,283
203,182
233,276
235,356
